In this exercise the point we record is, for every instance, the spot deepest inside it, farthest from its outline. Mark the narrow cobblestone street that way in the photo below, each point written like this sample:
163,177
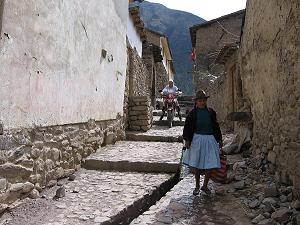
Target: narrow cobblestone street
93,198
120,182
135,112
179,206
137,156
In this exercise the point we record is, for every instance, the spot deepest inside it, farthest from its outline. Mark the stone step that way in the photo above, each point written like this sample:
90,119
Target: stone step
179,206
165,123
150,157
186,102
185,98
94,198
188,106
157,133
176,118
155,138
126,166
159,113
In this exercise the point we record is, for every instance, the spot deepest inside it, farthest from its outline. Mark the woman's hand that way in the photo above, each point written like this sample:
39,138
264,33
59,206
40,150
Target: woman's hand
222,151
221,144
187,144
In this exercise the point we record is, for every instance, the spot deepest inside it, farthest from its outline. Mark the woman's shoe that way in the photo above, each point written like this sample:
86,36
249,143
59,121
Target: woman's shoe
206,190
196,191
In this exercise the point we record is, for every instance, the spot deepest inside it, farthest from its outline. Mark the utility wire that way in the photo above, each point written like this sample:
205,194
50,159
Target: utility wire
227,30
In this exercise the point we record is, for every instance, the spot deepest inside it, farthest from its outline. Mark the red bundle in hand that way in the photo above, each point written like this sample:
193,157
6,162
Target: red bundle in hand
219,175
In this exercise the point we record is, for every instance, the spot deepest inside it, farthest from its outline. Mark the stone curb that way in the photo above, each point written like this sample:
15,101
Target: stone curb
141,137
165,123
126,166
142,205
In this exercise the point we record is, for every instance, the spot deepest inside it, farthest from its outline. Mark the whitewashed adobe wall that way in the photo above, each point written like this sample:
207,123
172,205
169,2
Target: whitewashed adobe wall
133,37
166,57
51,67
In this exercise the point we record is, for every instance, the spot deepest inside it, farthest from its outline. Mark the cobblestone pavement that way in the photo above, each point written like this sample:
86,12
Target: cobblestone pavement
137,156
156,118
179,206
164,122
158,113
92,198
140,152
157,133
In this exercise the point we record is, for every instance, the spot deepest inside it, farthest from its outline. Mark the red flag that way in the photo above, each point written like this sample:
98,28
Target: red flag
193,54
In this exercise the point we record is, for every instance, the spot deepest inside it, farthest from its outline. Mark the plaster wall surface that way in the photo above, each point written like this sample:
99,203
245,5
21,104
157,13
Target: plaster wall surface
133,37
270,64
51,69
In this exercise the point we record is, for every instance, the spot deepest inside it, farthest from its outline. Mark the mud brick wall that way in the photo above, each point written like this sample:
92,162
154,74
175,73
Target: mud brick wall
212,37
34,157
140,113
225,92
218,99
270,67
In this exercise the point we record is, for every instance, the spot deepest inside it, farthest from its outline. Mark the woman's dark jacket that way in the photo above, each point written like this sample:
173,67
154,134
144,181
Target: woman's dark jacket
191,121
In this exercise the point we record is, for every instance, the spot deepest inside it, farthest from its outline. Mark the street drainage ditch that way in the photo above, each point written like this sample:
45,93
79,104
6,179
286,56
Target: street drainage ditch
140,206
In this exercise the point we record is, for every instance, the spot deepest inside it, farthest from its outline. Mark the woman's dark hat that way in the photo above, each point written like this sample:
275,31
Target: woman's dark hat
201,95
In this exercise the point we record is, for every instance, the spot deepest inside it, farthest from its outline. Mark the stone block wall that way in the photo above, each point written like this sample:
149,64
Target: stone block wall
33,158
148,60
139,77
126,95
140,113
270,71
161,77
138,80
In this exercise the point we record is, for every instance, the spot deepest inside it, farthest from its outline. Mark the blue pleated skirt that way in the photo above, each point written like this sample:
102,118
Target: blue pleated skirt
204,153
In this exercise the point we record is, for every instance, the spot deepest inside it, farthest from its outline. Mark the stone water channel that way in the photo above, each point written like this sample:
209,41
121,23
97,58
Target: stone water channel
132,182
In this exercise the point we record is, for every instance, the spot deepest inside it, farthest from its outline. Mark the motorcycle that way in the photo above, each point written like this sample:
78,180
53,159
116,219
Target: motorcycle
170,102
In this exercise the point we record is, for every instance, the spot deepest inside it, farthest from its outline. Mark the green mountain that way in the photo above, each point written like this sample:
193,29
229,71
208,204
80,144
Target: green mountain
174,24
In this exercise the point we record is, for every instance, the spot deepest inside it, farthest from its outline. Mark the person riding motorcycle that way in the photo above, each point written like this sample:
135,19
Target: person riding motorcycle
170,89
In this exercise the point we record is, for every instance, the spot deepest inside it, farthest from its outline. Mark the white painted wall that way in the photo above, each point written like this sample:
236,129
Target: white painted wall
166,57
73,84
163,52
133,37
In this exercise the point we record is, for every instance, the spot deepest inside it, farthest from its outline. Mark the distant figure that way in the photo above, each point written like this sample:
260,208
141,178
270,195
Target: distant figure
203,140
170,89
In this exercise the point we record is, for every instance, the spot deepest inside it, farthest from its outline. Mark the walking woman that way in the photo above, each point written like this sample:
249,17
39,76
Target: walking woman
203,140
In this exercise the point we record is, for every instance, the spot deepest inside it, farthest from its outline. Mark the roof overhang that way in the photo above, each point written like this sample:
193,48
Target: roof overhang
134,13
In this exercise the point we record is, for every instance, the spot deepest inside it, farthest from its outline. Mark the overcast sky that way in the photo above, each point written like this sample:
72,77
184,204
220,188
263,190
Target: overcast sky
206,9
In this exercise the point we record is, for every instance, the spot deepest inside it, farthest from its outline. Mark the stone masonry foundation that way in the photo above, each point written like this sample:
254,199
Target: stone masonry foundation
140,113
33,158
